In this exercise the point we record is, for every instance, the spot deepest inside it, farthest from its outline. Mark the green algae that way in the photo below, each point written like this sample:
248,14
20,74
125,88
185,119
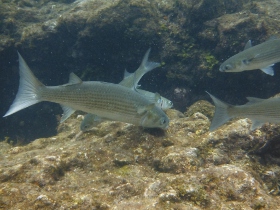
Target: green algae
210,59
123,171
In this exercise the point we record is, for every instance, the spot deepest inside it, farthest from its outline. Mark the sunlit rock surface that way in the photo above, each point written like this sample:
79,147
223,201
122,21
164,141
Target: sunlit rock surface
121,166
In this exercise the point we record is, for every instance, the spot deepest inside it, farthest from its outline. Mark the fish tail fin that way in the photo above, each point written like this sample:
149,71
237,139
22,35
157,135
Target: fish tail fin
221,115
27,94
148,65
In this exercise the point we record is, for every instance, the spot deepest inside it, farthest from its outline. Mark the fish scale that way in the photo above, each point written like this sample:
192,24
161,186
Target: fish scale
105,98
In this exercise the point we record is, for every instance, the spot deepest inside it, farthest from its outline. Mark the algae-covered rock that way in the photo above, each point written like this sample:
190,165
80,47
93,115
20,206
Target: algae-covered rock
203,107
118,165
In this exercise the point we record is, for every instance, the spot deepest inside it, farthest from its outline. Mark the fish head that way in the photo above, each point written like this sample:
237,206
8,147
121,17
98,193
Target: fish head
90,121
155,118
228,66
238,62
166,104
162,103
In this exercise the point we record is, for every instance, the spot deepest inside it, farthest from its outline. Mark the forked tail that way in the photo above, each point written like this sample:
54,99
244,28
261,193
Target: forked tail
27,94
221,113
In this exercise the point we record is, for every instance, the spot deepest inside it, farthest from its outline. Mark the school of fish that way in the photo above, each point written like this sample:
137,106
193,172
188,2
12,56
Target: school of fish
259,111
126,102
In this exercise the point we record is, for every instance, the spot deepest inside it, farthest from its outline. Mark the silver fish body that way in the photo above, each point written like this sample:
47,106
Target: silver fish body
111,101
131,81
92,120
259,111
262,56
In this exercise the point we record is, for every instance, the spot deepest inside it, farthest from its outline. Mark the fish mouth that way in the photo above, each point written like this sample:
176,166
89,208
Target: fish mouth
166,126
221,70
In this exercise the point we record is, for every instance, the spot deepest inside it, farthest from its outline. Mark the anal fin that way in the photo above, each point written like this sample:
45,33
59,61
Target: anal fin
268,70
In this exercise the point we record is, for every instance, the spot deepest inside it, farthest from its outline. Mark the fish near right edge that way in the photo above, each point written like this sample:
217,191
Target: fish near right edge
259,111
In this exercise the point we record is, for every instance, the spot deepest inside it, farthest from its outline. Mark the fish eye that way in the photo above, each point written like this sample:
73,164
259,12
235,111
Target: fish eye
162,121
85,127
228,67
170,103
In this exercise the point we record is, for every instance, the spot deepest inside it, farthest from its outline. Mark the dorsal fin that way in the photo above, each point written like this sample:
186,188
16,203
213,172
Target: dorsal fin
248,45
273,37
74,79
253,100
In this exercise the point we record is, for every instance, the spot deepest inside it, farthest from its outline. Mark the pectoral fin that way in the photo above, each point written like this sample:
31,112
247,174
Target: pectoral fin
142,110
247,61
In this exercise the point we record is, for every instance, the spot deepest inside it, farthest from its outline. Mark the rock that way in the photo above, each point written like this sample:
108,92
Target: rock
208,170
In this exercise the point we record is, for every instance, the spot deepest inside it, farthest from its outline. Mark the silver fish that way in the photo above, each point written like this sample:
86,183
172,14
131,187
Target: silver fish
107,100
131,81
259,111
262,56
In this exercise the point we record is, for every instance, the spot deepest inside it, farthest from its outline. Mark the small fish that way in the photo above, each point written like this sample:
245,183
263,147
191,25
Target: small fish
90,121
106,100
262,56
259,111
